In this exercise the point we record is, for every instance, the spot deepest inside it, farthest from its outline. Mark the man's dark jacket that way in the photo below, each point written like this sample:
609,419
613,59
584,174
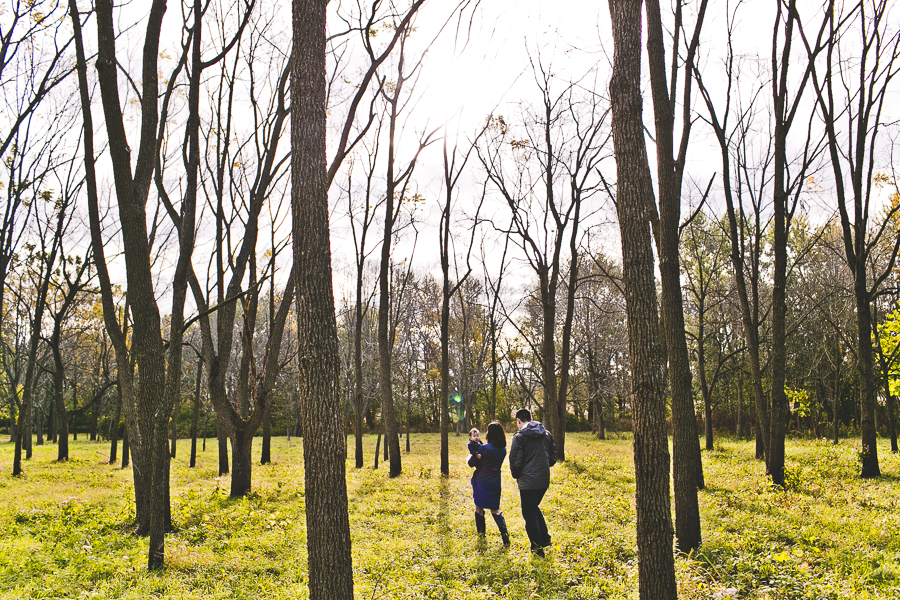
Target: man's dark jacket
531,455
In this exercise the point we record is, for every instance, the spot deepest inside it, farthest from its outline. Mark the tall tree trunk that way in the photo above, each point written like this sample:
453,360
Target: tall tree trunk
13,422
656,565
330,561
869,454
444,400
385,371
62,415
95,410
266,454
17,449
29,429
222,437
52,423
195,417
891,423
125,457
836,406
704,384
358,436
601,425
242,472
688,468
158,495
548,352
174,431
114,428
39,428
565,362
377,450
387,447
778,358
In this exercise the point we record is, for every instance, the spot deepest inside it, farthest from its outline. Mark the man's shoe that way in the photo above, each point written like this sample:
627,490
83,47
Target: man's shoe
537,551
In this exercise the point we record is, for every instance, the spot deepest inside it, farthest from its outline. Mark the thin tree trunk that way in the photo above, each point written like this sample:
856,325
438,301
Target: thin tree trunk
195,416
125,448
29,426
687,464
62,415
391,442
377,450
387,447
52,423
94,421
13,421
174,431
40,428
444,400
114,428
266,454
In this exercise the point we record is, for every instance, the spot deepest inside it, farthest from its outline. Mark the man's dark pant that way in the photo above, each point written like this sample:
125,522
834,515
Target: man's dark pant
535,526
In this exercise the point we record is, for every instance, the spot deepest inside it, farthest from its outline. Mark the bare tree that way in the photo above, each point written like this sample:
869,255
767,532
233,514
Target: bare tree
688,468
554,172
707,286
149,399
453,170
851,100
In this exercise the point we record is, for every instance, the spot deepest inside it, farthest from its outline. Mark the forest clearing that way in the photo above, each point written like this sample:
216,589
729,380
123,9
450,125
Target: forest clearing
830,534
229,220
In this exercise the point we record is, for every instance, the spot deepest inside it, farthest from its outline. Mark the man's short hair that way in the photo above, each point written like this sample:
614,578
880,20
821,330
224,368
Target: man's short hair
523,414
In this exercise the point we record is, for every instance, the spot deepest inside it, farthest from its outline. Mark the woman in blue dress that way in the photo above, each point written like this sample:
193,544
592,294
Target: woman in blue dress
486,480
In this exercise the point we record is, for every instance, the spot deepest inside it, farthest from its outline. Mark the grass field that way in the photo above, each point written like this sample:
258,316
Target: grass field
830,535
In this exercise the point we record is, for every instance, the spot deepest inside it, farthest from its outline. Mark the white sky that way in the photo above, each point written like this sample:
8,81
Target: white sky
492,75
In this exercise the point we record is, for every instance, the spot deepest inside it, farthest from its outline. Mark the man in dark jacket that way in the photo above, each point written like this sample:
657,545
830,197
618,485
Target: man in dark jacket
531,455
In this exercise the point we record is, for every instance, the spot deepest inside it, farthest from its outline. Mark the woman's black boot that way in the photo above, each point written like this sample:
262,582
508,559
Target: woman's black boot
480,527
501,525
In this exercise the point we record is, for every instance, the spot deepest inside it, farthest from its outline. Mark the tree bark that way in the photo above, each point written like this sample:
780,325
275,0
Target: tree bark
125,457
266,454
62,415
358,436
241,475
195,417
174,431
222,437
869,454
385,372
94,421
39,428
687,464
656,565
377,450
330,561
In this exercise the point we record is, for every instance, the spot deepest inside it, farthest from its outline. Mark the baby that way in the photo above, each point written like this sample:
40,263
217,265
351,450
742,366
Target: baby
474,442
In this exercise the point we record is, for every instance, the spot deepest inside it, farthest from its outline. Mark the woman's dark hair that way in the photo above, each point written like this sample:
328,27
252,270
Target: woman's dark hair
496,437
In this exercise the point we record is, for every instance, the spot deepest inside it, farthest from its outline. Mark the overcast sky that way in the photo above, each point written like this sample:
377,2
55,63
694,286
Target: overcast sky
485,68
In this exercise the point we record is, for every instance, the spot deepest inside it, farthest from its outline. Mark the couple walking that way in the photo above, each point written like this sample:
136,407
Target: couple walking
531,455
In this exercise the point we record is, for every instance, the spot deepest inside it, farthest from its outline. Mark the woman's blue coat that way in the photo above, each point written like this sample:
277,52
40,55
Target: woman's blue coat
486,479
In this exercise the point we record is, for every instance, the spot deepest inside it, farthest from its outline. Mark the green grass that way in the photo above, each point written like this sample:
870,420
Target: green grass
830,535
